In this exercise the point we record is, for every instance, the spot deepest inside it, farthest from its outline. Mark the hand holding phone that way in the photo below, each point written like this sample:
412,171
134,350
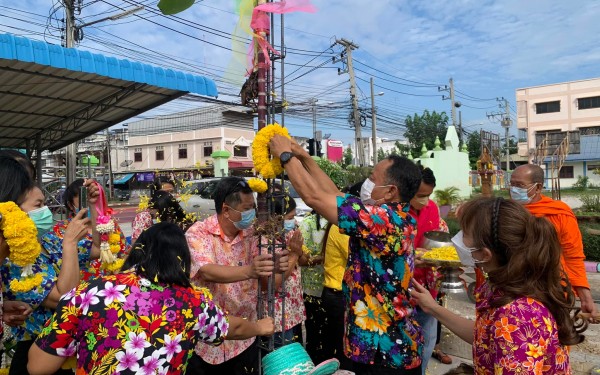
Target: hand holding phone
83,198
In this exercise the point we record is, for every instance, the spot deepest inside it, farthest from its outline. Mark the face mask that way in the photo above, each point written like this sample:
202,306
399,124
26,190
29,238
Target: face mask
247,219
422,201
521,195
464,253
289,225
365,192
42,217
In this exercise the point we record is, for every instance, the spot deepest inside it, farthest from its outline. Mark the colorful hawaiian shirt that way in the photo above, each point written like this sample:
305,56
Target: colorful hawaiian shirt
209,245
125,324
92,268
379,315
518,338
313,276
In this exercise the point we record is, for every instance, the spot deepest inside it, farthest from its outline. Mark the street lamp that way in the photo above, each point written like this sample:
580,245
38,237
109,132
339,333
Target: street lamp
374,122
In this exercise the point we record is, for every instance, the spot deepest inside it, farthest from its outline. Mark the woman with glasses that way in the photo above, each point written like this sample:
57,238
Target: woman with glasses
524,309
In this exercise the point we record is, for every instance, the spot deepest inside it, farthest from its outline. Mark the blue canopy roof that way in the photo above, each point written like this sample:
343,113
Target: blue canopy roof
52,96
123,179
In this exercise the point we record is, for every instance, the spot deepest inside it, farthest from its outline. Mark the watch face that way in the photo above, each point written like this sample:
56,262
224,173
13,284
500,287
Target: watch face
285,157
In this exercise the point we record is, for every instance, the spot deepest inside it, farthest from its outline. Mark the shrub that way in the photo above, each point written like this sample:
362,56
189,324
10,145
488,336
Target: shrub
582,183
591,202
447,196
591,244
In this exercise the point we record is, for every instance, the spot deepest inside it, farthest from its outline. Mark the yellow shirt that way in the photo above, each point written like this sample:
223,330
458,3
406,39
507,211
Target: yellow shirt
336,258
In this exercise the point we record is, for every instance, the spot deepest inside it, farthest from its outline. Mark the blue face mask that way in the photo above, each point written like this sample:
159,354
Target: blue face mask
247,219
289,225
521,195
42,218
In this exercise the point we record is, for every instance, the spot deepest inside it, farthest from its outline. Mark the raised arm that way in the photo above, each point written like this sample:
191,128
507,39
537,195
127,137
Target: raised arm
311,166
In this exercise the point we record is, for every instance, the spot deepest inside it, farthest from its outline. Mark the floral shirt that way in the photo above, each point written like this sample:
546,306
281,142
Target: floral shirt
313,276
126,324
208,245
141,222
379,315
48,265
92,268
518,338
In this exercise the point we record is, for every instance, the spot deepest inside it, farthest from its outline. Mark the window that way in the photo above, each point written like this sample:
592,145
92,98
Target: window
566,172
137,155
547,107
240,151
592,130
160,153
183,151
208,150
593,167
587,103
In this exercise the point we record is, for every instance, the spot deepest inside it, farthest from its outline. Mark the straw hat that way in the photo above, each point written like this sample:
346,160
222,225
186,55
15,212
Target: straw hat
294,360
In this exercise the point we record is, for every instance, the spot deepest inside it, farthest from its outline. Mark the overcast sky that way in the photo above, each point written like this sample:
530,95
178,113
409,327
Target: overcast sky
490,48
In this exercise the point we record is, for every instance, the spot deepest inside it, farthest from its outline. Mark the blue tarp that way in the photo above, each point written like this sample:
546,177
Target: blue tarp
124,179
23,49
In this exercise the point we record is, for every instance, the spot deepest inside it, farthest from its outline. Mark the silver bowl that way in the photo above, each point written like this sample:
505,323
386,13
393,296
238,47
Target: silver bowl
435,239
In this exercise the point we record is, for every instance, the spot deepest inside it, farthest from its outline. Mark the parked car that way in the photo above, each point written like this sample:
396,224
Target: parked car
122,195
197,196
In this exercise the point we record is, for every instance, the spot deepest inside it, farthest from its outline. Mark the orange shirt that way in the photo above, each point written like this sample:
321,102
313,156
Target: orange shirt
565,222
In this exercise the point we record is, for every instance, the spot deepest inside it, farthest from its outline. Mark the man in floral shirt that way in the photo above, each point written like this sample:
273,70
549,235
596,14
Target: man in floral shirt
382,336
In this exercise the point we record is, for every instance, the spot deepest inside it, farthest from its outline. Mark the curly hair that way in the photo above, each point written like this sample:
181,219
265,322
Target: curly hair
527,252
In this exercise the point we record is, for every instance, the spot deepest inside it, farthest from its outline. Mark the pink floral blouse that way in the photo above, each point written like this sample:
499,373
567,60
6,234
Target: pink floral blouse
141,222
208,245
518,338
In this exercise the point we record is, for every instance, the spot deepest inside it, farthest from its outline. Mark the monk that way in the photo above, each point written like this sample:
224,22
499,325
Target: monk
526,185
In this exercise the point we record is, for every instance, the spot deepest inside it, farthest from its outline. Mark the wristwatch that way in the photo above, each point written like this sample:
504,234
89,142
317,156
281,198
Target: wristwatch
285,157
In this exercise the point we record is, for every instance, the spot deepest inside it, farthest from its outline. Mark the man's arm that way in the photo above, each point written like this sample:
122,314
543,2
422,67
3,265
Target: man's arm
308,186
311,166
262,265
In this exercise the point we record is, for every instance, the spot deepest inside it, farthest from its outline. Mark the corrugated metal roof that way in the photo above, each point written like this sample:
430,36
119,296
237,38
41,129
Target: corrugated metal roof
589,149
63,94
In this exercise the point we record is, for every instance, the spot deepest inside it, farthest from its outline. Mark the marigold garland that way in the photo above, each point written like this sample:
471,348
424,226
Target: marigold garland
113,267
114,241
258,185
26,284
264,165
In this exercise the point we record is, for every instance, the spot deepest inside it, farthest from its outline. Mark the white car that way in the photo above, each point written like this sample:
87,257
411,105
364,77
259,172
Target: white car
197,196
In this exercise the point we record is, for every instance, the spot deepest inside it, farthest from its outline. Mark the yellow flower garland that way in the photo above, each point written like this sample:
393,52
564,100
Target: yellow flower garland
257,185
21,236
264,165
114,241
113,267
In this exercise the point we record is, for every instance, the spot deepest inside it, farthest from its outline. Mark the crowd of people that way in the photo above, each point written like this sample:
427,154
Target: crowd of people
194,297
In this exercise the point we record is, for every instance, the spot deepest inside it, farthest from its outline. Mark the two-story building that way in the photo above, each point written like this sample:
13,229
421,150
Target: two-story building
549,113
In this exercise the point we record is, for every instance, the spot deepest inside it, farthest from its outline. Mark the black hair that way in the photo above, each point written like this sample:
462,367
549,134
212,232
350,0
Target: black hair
354,189
427,176
158,182
71,192
161,253
228,191
22,159
405,175
168,208
283,204
16,181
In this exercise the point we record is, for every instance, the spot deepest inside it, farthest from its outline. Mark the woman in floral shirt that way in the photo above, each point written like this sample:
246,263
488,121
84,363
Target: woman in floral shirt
523,319
145,320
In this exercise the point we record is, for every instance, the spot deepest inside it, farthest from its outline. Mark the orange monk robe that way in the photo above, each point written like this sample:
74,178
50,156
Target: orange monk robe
565,222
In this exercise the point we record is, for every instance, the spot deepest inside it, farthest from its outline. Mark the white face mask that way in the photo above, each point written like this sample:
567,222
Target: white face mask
423,201
365,192
464,253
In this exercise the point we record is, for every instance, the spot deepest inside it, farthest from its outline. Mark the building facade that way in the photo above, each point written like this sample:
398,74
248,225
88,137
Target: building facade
550,113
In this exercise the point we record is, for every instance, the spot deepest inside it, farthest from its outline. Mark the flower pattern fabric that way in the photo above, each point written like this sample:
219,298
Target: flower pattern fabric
518,338
125,324
209,245
141,222
379,316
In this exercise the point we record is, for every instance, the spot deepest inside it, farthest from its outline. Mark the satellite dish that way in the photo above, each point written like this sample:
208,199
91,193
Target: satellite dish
126,163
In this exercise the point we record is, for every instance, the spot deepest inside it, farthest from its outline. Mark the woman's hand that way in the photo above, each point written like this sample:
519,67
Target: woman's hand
295,243
419,262
78,228
15,312
265,326
93,191
422,297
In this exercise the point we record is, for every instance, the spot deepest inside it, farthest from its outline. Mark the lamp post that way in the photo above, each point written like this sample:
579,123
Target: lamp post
374,122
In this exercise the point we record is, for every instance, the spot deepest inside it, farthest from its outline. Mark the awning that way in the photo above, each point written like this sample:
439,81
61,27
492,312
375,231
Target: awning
123,179
240,164
55,95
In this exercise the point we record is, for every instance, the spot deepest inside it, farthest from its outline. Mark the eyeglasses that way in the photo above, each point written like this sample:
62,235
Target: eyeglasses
241,184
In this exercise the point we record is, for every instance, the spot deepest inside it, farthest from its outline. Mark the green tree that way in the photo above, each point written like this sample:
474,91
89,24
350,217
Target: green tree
347,160
382,154
474,147
424,129
337,174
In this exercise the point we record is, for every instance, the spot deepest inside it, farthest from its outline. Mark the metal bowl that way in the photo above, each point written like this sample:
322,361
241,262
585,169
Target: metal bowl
435,239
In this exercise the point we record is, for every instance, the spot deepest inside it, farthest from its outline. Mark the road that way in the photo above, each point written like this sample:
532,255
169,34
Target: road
124,216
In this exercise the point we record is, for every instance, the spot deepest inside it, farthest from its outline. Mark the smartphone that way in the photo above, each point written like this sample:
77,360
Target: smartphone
83,201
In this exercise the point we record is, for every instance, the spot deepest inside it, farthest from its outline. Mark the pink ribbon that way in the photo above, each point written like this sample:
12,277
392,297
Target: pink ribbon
102,208
260,23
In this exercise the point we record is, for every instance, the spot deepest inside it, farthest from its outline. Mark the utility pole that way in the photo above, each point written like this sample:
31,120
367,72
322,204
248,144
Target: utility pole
313,102
111,188
454,105
506,122
347,57
262,78
71,150
374,121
